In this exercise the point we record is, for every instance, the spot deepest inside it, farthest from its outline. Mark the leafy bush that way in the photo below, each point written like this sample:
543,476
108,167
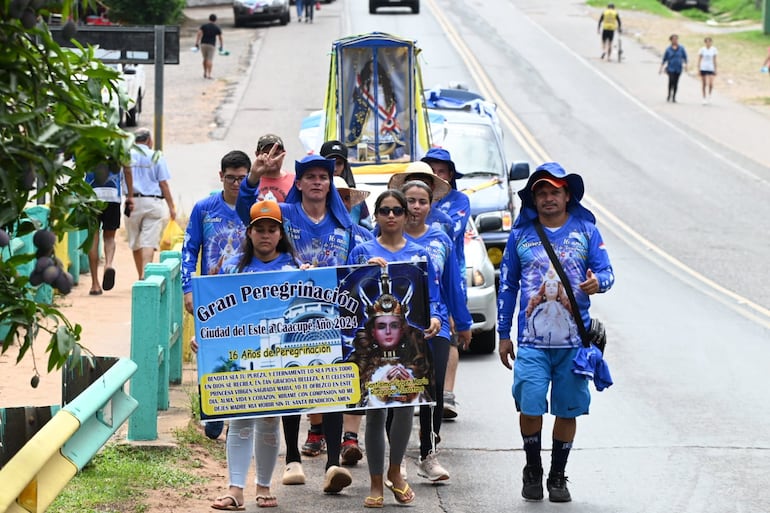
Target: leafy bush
54,128
146,12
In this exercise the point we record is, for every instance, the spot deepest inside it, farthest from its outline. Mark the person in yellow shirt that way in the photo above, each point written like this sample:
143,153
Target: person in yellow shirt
609,22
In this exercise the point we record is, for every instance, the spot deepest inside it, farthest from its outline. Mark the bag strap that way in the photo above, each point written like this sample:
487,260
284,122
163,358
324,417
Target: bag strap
565,283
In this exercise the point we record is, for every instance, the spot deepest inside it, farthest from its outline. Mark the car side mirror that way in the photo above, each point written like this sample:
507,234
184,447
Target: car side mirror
489,224
519,171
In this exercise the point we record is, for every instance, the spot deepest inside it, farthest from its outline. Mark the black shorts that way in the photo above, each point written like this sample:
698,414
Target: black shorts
110,217
607,35
705,73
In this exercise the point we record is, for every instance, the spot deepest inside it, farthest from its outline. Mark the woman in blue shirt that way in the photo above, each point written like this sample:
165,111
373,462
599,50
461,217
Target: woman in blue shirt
674,60
443,257
392,246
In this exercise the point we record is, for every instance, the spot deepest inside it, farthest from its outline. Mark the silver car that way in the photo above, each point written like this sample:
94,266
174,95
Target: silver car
249,11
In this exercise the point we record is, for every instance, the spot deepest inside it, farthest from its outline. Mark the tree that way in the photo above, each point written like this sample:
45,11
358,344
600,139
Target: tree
54,128
145,12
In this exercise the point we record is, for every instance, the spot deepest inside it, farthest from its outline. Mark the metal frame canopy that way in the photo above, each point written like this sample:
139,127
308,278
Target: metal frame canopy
373,100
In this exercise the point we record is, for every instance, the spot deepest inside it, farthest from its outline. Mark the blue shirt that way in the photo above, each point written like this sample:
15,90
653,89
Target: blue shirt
448,277
106,185
325,244
457,206
675,59
411,252
282,262
546,322
215,231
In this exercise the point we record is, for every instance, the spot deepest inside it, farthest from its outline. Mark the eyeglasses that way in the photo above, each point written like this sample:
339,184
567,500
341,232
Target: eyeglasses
386,211
233,179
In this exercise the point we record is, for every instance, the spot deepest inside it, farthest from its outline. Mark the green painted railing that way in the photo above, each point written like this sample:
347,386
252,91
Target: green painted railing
156,345
41,469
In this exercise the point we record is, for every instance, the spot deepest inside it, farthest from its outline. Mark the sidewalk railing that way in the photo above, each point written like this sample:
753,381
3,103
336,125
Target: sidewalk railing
38,472
156,343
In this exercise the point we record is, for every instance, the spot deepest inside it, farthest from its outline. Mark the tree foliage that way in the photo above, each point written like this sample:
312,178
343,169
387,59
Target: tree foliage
145,12
54,127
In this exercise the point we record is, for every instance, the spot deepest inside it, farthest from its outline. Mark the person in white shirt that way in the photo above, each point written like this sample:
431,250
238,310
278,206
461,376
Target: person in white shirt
707,64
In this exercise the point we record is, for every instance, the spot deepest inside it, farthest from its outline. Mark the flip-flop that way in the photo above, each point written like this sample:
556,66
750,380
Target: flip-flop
108,282
266,501
374,502
402,496
235,506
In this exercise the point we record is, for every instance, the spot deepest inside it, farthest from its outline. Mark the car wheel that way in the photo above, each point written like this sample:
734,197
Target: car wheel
285,19
372,7
238,22
416,8
483,342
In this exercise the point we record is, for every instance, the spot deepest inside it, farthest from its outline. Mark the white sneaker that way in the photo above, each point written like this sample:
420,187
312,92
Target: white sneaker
336,479
431,469
293,474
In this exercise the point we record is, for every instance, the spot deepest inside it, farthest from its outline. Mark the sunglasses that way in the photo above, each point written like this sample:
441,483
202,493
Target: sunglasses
233,179
386,211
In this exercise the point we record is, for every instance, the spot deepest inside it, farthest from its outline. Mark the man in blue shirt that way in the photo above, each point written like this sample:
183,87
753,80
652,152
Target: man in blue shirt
548,338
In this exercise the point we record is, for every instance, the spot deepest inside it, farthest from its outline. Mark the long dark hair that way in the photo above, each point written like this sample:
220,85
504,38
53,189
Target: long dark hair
247,247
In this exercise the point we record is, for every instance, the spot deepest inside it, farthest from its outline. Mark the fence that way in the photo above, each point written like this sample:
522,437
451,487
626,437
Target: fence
36,474
156,342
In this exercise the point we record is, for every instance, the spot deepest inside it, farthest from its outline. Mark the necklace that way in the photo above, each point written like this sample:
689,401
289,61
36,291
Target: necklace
315,220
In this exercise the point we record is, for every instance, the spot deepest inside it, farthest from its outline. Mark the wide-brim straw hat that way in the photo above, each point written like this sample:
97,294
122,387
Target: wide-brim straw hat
421,171
356,195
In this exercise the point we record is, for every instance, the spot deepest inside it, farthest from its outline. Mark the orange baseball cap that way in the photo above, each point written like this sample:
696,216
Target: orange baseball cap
556,182
265,210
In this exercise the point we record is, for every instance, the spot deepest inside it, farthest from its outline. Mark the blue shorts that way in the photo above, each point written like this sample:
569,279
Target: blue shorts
535,369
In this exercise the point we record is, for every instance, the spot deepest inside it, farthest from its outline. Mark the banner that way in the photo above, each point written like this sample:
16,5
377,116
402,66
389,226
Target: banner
319,340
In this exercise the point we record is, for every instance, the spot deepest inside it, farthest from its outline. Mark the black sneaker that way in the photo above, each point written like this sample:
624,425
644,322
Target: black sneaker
557,488
533,483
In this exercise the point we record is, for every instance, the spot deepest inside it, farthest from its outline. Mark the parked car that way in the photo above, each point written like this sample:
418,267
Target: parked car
465,124
480,286
414,4
677,5
250,11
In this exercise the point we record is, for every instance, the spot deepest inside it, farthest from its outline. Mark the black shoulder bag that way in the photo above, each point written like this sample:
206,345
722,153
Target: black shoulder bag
596,335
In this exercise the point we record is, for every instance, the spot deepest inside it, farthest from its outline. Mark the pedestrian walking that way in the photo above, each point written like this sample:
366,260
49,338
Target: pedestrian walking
106,182
300,9
391,246
266,247
206,41
321,231
147,216
547,344
457,206
609,22
707,65
674,61
310,7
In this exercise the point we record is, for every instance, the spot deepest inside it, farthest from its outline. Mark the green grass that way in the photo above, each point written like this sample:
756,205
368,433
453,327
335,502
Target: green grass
721,10
117,477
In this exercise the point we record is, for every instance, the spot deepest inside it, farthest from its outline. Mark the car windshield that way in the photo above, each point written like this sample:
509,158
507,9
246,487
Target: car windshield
474,148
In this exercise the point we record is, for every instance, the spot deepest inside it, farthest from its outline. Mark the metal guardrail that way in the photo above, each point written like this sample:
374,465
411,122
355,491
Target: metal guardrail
38,472
156,336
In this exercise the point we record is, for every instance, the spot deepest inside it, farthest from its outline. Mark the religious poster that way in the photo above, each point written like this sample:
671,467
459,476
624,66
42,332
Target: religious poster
310,341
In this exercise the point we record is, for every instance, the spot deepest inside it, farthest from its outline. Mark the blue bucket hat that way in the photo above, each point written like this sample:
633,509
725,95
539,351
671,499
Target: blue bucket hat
442,155
574,185
333,200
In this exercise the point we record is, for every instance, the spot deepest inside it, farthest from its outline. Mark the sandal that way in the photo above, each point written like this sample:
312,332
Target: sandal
266,501
235,506
374,502
404,495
